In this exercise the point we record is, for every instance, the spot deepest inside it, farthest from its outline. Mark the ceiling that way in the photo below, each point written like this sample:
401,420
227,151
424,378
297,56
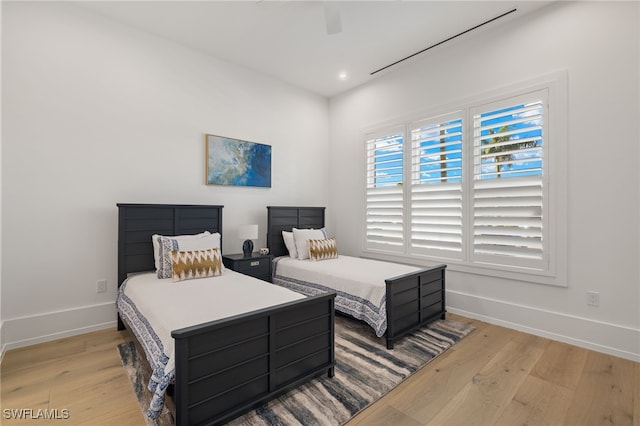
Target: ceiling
309,43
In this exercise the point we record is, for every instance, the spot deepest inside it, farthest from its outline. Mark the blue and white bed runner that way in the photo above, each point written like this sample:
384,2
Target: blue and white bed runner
359,283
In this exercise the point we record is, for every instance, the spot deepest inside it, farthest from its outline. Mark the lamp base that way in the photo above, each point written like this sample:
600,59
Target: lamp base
247,248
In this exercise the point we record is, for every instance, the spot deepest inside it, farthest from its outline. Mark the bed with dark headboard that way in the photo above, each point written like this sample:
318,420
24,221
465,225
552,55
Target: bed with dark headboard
412,300
279,335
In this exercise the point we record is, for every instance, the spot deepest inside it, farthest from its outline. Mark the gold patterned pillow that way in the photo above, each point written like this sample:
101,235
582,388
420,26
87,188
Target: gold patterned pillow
187,265
323,249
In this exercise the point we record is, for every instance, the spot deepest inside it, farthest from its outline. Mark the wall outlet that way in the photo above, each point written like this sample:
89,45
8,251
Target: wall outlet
101,286
593,298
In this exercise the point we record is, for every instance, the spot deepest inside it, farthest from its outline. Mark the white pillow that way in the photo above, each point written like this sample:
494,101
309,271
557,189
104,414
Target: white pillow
169,244
301,236
290,243
155,238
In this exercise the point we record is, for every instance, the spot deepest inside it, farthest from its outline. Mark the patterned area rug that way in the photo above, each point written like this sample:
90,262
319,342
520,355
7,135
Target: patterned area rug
139,373
365,371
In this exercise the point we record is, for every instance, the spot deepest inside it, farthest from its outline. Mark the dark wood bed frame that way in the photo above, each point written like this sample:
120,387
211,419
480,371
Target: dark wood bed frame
412,300
229,366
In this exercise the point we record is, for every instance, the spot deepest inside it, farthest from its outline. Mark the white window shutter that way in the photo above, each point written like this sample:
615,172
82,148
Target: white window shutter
509,183
436,186
385,200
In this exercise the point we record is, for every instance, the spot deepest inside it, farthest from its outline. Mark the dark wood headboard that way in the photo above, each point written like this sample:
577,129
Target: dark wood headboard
138,222
285,219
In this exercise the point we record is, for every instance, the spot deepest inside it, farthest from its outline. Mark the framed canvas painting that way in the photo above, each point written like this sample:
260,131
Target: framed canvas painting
237,162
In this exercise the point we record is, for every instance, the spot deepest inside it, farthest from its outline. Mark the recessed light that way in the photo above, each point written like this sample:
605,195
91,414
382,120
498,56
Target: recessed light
342,76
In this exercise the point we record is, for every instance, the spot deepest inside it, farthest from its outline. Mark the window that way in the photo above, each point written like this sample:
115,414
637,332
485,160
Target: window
385,174
508,190
472,188
436,187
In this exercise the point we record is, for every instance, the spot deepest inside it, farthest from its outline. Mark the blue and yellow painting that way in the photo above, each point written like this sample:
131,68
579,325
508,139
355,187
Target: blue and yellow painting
237,162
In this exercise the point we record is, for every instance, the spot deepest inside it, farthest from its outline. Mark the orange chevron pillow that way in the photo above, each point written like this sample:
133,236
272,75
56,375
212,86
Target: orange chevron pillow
323,249
187,265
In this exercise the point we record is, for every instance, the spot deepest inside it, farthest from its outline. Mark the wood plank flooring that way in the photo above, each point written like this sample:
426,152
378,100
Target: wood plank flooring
495,376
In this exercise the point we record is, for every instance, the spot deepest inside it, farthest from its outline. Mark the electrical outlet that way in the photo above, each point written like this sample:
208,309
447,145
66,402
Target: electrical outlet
593,298
101,286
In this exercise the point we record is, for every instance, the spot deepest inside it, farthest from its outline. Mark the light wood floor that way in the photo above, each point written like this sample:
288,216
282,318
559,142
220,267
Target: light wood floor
495,376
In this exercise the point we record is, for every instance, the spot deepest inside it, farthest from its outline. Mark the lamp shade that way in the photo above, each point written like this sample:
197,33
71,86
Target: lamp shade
248,232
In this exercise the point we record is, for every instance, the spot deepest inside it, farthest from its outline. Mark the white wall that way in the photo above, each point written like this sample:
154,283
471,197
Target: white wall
597,43
96,113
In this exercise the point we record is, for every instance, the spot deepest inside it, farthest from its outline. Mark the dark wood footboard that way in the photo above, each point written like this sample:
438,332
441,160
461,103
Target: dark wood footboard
227,367
414,300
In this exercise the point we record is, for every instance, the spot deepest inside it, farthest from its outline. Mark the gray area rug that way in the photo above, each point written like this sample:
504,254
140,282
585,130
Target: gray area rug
365,371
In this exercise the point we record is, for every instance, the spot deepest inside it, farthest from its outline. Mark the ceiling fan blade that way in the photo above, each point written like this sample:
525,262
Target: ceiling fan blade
332,18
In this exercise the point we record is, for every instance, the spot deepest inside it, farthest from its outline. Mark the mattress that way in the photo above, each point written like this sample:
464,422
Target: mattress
154,307
359,283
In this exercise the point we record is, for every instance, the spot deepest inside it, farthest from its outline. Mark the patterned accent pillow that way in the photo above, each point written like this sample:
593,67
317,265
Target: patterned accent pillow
168,244
187,265
323,249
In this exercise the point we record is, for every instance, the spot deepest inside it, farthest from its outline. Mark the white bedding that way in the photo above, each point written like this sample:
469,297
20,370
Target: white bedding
154,307
359,283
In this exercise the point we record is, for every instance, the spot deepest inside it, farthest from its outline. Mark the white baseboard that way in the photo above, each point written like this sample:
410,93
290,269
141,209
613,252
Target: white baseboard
2,344
26,331
612,339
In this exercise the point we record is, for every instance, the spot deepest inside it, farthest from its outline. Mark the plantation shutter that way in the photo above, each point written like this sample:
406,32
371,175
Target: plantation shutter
436,187
384,201
509,183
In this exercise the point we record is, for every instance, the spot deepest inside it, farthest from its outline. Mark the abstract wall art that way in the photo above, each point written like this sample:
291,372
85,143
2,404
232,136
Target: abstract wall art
237,162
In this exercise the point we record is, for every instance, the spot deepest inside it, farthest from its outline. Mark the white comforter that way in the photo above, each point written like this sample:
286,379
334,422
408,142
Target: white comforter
154,307
359,283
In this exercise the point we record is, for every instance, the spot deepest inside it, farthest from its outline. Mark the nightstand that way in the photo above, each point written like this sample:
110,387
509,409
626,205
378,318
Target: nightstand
258,265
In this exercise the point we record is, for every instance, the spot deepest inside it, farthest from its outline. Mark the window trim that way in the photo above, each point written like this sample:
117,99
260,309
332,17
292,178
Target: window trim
555,205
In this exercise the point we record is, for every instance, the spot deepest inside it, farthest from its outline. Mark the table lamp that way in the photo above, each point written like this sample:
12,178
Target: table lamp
248,233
